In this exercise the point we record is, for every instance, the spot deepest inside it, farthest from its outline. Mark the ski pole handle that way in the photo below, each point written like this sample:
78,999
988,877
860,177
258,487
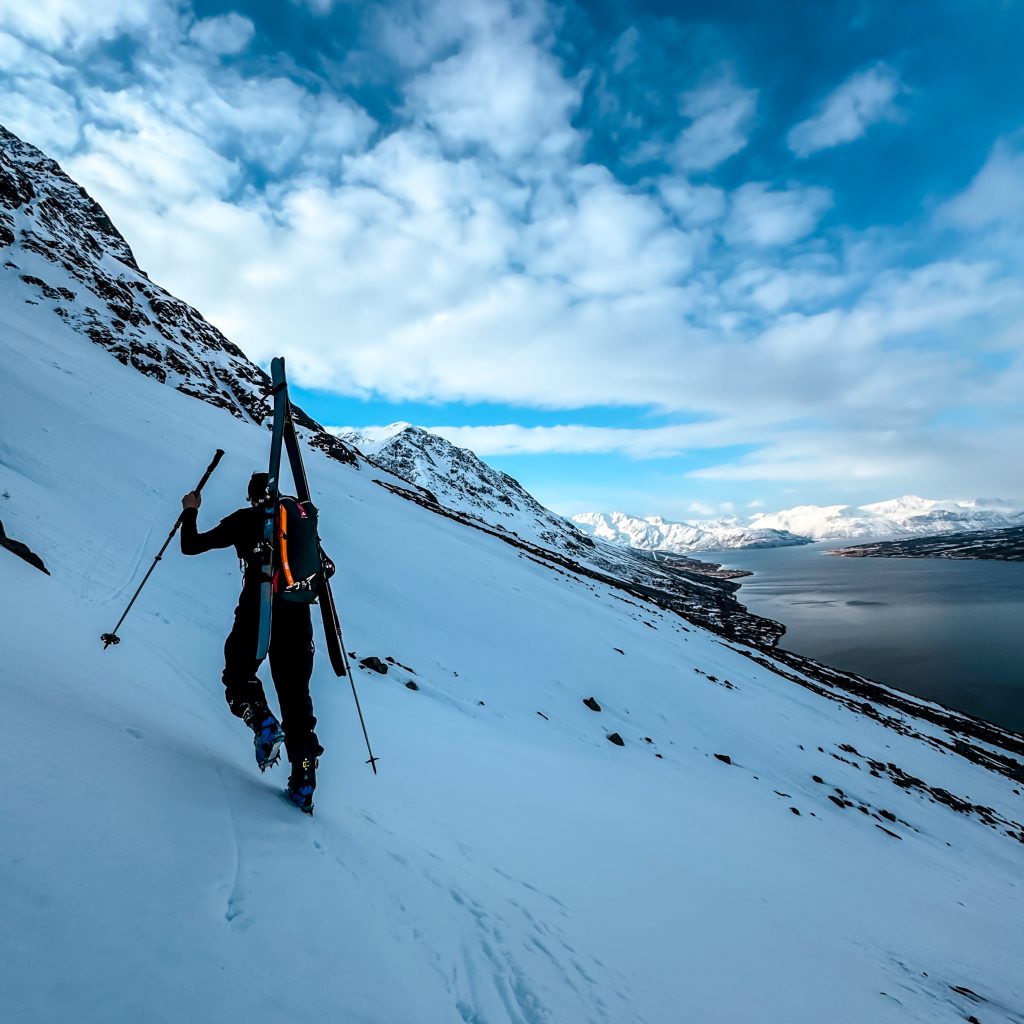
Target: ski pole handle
209,469
202,483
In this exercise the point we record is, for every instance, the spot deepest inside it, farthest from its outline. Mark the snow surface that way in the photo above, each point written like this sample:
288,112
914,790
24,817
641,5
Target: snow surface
506,865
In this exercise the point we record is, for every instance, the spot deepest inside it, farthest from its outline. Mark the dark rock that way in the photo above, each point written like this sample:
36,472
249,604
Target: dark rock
647,739
619,649
658,756
836,801
795,811
616,739
818,779
23,551
542,715
411,685
724,758
965,991
592,704
374,664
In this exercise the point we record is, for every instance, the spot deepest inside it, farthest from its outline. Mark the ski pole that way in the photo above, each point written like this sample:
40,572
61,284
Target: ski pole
112,637
372,762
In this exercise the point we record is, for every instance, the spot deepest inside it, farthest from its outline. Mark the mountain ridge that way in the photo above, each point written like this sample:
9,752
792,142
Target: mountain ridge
73,260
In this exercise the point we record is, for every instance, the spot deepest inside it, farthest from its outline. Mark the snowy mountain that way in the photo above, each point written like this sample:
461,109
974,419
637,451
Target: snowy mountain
653,533
459,480
906,516
589,808
61,252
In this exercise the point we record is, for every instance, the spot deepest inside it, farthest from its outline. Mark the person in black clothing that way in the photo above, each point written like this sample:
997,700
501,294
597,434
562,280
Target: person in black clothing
291,646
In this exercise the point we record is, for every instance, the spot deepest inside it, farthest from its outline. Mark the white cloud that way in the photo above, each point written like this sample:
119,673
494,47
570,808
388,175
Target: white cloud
940,462
226,34
773,288
997,192
847,113
465,251
501,91
694,205
763,216
576,439
721,116
77,25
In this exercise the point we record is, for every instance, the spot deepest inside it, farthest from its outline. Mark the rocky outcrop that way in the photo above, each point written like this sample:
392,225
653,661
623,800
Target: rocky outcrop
65,253
997,545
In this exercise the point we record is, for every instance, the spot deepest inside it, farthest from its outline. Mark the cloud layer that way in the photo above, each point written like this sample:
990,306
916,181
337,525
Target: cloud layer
460,204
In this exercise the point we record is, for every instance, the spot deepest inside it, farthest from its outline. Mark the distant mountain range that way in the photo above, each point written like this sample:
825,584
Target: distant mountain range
460,480
909,516
656,534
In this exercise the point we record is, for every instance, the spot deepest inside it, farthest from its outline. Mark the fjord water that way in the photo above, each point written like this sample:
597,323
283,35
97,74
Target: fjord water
949,631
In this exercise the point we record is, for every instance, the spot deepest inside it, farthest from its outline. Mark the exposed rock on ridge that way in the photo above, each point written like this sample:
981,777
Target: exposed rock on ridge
64,251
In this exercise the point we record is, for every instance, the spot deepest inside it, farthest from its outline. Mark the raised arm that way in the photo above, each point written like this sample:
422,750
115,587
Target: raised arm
195,543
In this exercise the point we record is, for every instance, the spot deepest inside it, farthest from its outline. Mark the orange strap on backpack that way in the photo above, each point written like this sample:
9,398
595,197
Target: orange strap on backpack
282,543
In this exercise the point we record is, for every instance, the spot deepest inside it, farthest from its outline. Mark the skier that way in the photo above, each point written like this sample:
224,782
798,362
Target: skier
291,647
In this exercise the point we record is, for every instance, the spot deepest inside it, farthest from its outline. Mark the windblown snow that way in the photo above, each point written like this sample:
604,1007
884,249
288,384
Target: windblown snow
756,849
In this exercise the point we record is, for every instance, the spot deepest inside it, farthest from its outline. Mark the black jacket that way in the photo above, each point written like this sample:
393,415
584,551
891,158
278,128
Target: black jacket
242,530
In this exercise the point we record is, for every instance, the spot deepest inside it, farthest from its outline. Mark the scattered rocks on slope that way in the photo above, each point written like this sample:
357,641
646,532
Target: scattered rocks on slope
374,664
616,739
724,758
592,704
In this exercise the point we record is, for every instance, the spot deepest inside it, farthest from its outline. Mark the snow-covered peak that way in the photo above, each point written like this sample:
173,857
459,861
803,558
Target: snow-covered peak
896,517
458,479
908,515
654,533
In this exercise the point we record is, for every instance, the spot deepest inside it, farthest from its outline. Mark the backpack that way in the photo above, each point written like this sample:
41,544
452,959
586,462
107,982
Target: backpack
300,562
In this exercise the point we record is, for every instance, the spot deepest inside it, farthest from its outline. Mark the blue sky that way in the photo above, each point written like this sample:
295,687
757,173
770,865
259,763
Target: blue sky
668,258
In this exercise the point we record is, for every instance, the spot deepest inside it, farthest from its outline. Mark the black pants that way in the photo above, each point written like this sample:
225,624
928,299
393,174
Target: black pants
291,665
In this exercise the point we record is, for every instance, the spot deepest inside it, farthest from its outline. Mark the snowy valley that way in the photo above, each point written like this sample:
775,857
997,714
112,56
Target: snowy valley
724,832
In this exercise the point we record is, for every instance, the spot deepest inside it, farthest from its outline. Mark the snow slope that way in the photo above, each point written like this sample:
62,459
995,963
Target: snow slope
509,864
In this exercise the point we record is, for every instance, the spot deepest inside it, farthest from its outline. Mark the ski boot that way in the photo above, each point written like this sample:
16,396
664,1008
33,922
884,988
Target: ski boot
267,736
302,783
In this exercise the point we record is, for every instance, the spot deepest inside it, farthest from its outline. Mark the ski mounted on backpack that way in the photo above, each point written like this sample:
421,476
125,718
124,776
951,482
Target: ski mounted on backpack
289,540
